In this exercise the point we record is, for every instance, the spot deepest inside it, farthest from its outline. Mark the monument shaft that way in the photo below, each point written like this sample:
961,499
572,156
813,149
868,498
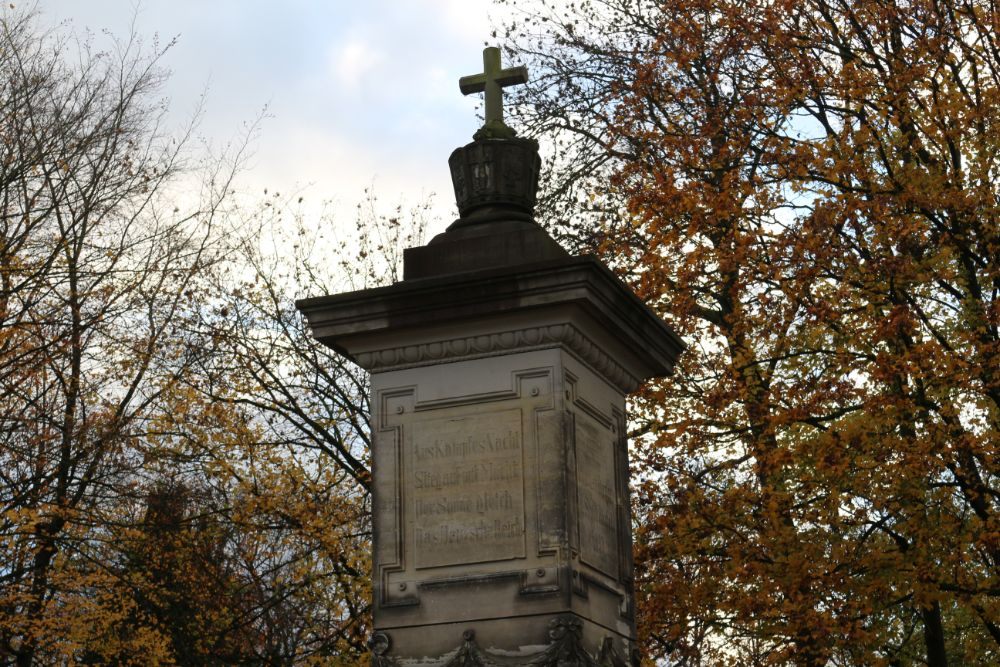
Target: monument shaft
499,370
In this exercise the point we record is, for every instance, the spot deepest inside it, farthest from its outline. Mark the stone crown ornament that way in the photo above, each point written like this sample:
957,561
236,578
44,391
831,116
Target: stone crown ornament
495,179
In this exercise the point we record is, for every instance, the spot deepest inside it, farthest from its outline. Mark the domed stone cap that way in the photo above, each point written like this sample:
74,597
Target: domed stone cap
495,179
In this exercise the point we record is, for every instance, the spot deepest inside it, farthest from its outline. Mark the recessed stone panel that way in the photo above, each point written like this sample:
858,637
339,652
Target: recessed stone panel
597,499
465,485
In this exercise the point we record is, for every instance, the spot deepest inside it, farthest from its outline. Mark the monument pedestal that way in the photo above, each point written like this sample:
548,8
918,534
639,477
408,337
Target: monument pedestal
500,464
499,369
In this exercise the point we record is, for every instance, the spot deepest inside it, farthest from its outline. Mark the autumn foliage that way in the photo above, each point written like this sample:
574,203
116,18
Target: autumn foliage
808,191
183,470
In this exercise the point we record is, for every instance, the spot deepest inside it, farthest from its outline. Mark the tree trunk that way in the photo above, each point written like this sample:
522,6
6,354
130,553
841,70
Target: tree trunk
937,656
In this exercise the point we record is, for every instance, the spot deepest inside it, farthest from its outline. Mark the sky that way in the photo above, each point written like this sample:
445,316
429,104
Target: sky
358,93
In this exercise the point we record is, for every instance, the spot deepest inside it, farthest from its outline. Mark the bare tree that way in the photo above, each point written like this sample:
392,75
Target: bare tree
183,468
97,267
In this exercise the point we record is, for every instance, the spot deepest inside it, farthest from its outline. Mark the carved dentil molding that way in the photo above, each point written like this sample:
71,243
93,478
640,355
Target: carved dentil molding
520,340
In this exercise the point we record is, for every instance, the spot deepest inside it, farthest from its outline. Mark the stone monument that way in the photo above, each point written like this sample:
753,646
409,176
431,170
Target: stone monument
499,369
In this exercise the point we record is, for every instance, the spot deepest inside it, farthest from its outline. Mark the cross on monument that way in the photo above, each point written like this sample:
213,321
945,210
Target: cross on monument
493,80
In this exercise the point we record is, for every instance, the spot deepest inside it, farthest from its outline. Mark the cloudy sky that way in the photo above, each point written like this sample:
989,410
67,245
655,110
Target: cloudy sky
358,93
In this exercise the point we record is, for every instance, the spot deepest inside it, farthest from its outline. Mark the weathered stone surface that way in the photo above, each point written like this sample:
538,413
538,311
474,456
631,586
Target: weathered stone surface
465,476
495,180
492,81
500,493
597,494
574,301
564,650
499,370
500,464
479,247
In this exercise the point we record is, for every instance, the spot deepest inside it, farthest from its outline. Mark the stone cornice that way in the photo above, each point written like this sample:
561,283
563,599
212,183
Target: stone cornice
358,322
505,342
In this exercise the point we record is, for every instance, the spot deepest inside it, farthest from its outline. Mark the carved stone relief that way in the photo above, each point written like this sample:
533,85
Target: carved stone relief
565,649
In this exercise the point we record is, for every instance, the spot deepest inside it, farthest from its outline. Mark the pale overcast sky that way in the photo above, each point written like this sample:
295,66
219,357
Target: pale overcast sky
357,92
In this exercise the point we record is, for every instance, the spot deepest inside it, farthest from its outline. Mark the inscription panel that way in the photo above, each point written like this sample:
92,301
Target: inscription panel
596,495
466,489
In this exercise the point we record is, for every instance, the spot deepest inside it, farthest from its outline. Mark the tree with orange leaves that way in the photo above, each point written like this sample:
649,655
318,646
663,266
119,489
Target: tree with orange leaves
96,276
808,192
181,482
